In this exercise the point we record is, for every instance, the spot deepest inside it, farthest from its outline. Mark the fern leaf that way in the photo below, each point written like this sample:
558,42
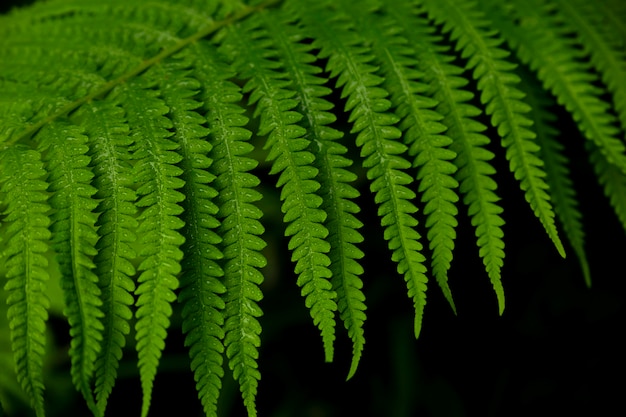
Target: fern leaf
422,133
333,176
158,178
378,139
503,100
10,388
608,55
291,159
612,14
473,159
612,179
27,237
558,174
140,116
544,44
240,228
110,142
74,238
202,289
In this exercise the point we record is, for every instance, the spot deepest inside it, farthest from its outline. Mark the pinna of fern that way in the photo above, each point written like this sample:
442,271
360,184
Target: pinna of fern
130,140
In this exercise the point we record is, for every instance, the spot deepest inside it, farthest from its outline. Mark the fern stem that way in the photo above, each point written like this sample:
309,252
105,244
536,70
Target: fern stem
139,69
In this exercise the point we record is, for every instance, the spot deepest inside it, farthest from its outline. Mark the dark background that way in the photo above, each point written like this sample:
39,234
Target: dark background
557,349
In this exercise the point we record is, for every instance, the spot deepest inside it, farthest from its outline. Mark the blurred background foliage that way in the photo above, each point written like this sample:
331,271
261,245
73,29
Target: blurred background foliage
558,348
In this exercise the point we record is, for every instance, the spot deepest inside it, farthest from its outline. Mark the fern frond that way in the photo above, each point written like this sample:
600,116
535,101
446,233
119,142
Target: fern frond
240,228
542,42
201,286
333,175
288,151
612,15
558,174
608,55
612,179
468,142
27,236
110,145
10,388
158,178
422,132
126,118
74,237
378,139
497,82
